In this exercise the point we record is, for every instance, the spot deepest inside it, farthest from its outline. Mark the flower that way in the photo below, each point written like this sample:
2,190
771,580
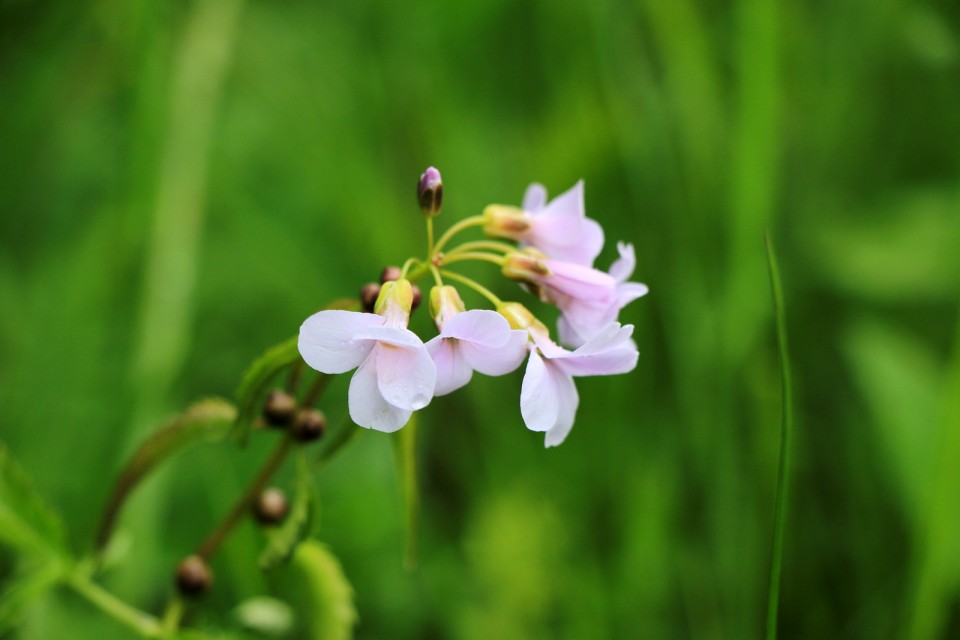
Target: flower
475,340
558,228
430,192
548,396
583,318
395,374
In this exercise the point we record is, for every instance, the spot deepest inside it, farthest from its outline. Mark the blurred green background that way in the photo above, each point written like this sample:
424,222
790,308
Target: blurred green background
182,183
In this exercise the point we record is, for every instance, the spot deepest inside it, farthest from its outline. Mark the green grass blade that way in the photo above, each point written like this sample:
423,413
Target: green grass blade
786,427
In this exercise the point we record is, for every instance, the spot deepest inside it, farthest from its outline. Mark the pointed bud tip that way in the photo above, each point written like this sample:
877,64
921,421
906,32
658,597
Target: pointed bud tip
430,192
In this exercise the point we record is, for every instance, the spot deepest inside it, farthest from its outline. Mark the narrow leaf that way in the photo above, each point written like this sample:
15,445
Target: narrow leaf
283,541
786,427
24,591
323,594
27,523
208,419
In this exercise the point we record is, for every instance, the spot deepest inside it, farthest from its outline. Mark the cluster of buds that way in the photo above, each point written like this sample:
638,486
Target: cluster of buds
552,249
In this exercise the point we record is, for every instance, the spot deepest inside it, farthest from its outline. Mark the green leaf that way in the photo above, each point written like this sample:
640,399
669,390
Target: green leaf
323,596
25,590
208,419
267,616
262,372
283,541
27,523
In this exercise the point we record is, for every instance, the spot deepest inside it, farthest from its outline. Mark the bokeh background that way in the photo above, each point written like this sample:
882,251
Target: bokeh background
182,183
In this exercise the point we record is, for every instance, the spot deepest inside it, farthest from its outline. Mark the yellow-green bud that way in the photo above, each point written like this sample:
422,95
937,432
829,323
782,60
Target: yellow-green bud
525,265
503,221
395,301
445,302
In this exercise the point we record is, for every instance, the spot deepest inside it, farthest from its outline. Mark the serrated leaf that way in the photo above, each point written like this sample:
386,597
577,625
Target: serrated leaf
258,376
324,594
208,419
26,589
283,541
27,523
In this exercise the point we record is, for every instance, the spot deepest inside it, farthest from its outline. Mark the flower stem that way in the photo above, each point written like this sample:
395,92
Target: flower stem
406,266
466,223
246,500
140,621
316,389
436,274
491,245
429,236
473,284
460,256
171,618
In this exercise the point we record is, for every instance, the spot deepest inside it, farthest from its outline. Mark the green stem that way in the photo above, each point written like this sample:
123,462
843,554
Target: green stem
429,237
436,275
316,389
140,621
406,266
171,618
474,255
243,504
786,427
466,223
492,245
473,284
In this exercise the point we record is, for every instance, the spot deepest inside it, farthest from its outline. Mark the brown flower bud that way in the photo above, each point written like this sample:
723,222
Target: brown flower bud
309,425
279,408
417,299
271,507
389,273
368,296
193,576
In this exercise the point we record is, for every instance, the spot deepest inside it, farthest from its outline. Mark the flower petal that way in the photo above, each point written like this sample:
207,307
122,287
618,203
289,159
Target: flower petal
453,371
368,408
623,267
406,374
480,326
609,352
329,343
535,197
538,396
496,361
566,411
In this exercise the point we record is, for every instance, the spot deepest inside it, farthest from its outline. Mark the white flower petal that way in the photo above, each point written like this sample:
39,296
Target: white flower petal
535,198
406,374
367,407
480,326
569,400
496,361
538,396
453,371
328,340
623,267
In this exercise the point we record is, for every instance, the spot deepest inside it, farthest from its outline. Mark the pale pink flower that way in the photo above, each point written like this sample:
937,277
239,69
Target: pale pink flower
548,397
582,317
395,374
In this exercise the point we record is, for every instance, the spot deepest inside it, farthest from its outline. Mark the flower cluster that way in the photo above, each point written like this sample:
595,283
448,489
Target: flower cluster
553,257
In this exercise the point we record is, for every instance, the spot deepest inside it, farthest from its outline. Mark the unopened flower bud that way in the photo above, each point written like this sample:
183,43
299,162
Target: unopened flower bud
309,425
502,221
445,302
430,193
517,315
368,296
395,302
279,408
389,274
417,298
270,507
193,576
525,266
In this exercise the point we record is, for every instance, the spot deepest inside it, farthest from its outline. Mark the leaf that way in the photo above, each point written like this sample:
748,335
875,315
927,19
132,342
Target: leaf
208,419
264,369
283,541
27,523
267,616
323,594
25,590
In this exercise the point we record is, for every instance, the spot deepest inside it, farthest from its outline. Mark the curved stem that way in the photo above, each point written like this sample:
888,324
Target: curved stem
246,500
474,255
141,622
466,223
436,275
406,266
473,284
429,236
491,245
171,618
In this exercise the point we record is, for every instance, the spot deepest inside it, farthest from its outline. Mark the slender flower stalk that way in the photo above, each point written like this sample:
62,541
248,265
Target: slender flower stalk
466,223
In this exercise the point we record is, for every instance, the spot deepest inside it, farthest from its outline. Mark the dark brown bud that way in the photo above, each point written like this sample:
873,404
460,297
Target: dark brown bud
280,408
368,296
389,274
309,425
193,576
417,298
270,507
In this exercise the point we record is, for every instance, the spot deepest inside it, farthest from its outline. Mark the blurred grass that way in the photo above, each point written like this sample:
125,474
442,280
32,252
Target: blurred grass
695,124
